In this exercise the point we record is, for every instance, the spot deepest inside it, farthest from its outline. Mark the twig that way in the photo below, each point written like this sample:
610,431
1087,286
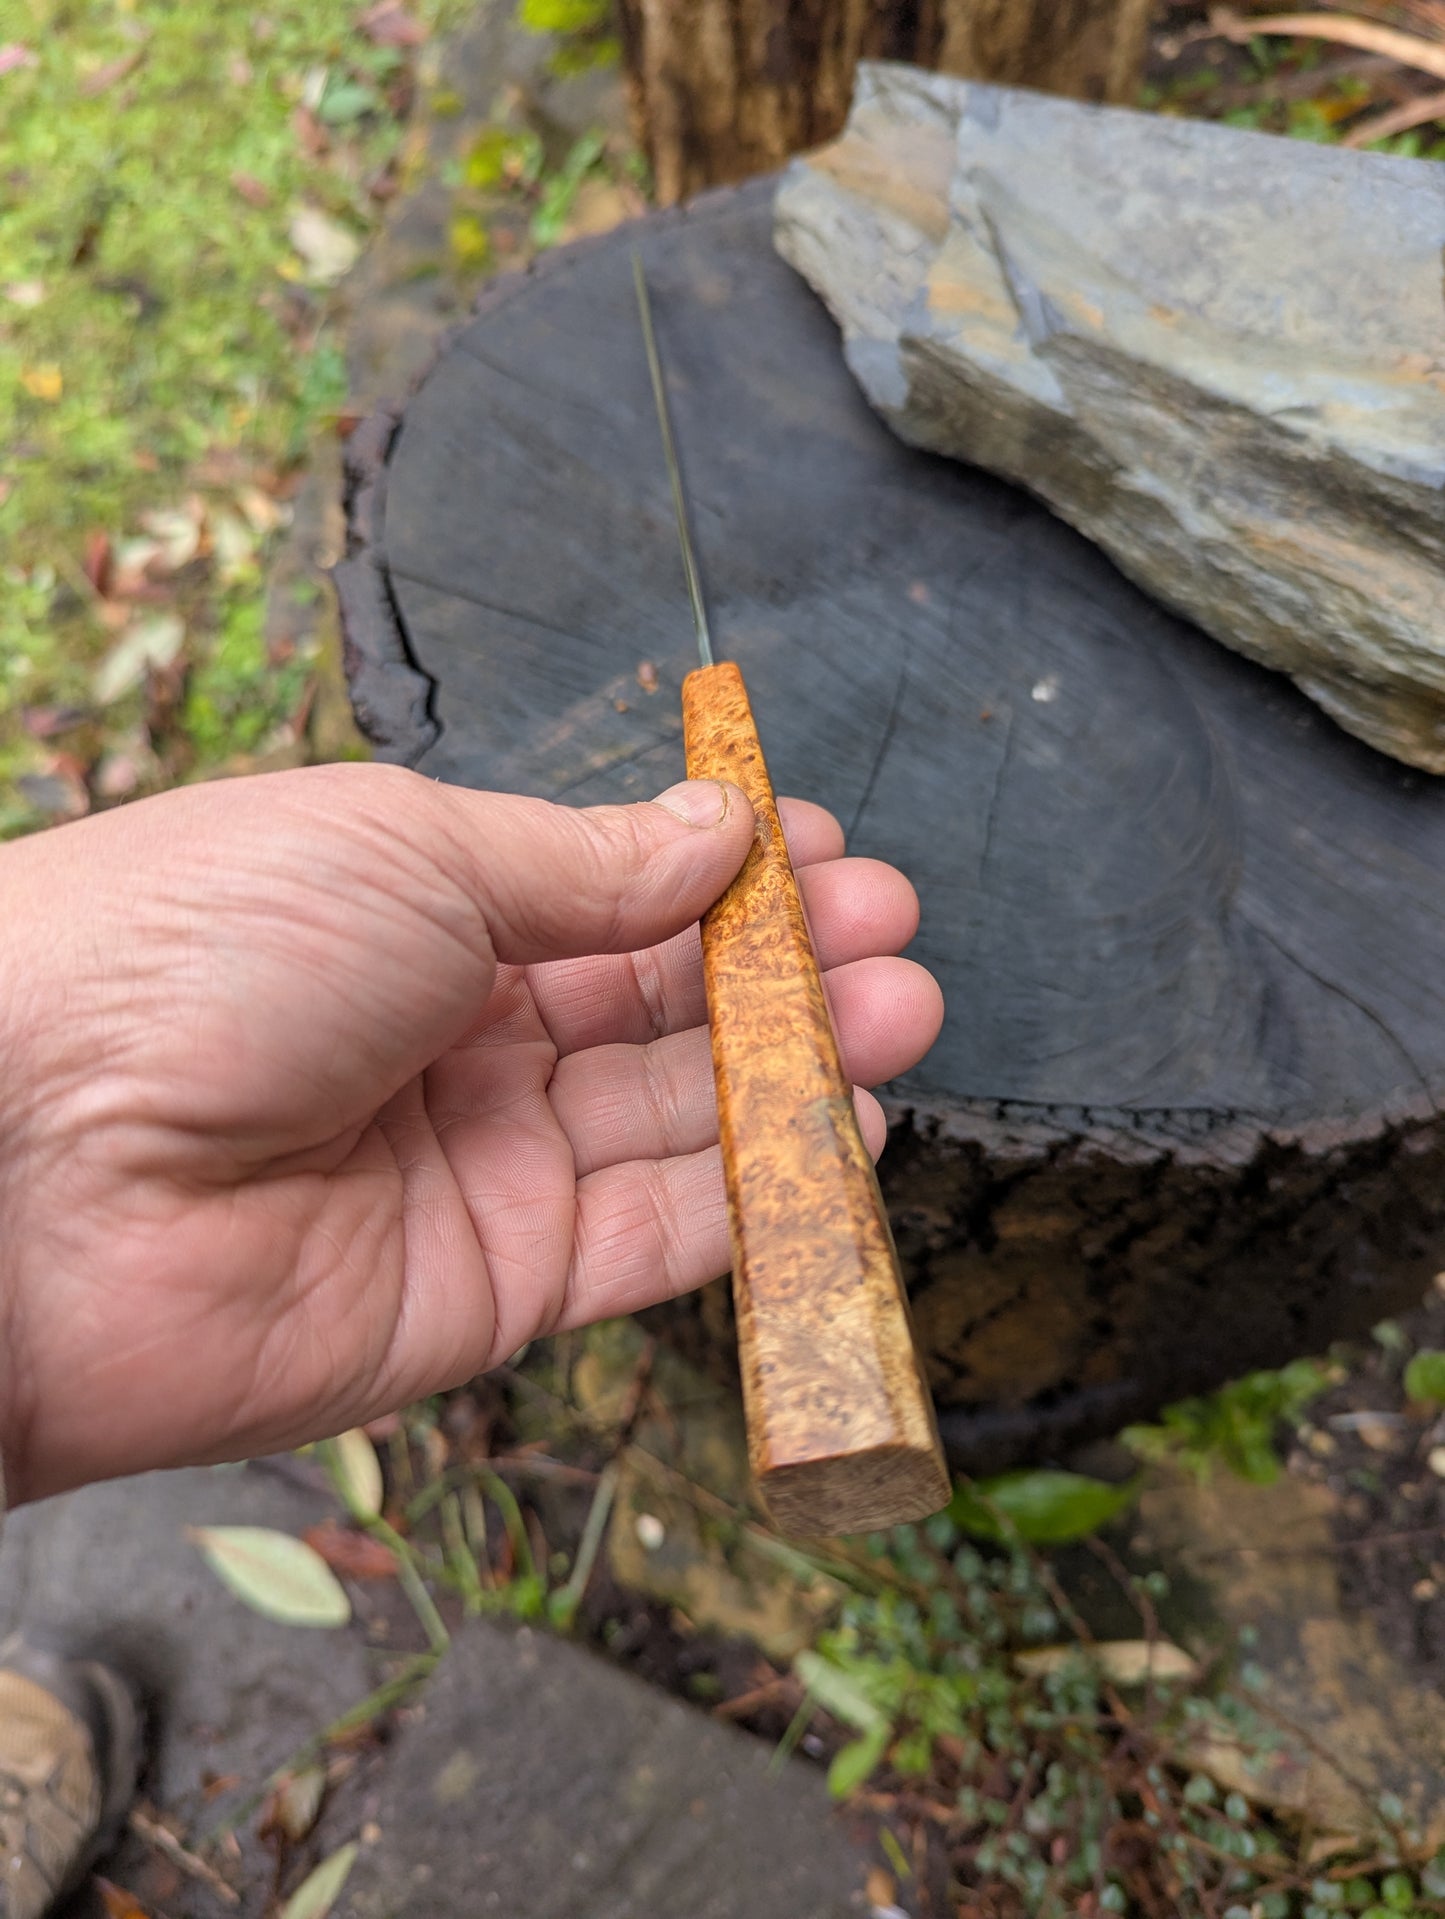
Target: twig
1383,126
773,1692
155,1834
1408,48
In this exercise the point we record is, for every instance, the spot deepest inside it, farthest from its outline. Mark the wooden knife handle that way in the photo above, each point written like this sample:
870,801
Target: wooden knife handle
841,1432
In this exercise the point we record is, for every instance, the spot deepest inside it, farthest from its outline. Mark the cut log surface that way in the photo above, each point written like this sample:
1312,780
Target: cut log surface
1183,1117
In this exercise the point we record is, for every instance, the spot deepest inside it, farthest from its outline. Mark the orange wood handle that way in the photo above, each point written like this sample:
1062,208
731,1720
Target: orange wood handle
841,1431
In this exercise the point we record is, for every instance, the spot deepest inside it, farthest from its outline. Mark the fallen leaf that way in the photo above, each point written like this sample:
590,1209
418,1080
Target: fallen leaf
255,192
327,249
131,567
59,791
150,645
117,776
25,293
879,1888
264,513
274,1574
311,136
118,1903
293,1807
233,543
107,75
45,722
1128,1662
318,1893
96,563
357,1471
177,533
388,24
14,56
43,382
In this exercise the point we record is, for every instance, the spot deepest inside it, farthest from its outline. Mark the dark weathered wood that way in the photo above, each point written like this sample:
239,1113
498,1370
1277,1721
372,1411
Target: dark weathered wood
721,89
1183,1118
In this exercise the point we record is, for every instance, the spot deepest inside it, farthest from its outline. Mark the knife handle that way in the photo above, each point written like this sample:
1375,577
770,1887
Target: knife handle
841,1430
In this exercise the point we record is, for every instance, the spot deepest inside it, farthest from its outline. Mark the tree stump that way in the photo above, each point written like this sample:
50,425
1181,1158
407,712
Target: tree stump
1183,1120
721,89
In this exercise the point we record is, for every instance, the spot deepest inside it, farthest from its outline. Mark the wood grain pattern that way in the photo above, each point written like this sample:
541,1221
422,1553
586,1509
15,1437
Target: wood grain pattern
841,1429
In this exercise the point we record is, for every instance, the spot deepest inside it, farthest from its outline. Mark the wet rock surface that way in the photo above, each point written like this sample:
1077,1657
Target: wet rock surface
539,1781
1217,353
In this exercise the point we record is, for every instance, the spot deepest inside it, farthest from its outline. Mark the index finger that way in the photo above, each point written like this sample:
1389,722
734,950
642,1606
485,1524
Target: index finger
812,833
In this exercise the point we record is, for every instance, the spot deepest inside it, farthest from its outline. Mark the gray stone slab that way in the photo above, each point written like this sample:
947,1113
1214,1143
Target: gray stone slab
1217,353
540,1783
529,1779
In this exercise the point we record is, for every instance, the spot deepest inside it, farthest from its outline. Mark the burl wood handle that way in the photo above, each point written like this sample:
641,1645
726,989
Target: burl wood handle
841,1431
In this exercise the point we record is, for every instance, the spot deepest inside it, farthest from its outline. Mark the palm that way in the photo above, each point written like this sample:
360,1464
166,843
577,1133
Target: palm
349,1159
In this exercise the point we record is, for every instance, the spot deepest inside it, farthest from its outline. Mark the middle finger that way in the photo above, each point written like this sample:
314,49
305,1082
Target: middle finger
857,909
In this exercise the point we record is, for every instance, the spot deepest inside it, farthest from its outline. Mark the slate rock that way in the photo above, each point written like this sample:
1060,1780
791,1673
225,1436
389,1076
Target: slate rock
1219,354
538,1782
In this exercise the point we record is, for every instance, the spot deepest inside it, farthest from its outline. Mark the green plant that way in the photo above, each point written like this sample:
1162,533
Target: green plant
965,1685
1425,1378
1040,1506
1235,1427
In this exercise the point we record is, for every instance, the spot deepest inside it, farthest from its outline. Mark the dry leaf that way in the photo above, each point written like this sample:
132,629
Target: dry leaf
1128,1662
59,790
150,645
43,382
107,75
316,1895
327,249
253,191
357,1472
388,24
25,293
274,1574
118,1903
177,533
292,1809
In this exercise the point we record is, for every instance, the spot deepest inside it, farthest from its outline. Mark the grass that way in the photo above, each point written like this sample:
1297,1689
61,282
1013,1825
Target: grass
179,186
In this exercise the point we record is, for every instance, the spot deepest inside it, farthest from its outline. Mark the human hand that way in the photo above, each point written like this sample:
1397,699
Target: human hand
317,1097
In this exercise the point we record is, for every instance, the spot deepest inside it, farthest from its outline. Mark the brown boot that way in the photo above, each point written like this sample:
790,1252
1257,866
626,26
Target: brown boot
69,1753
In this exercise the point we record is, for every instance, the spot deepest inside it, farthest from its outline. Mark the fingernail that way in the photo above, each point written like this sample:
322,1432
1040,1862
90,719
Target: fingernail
699,802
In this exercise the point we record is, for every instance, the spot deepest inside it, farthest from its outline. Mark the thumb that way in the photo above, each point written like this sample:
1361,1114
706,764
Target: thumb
558,882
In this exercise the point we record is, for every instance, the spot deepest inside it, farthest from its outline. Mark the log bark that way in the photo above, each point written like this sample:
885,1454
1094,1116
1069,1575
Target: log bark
721,89
1185,1116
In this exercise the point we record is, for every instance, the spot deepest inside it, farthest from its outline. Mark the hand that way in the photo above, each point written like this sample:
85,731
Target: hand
317,1097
